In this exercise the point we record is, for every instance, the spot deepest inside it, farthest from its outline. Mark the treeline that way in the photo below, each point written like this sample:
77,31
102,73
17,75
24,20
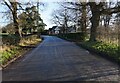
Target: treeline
99,22
88,15
25,18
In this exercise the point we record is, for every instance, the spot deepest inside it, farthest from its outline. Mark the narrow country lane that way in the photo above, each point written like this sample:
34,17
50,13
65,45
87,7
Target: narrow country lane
58,60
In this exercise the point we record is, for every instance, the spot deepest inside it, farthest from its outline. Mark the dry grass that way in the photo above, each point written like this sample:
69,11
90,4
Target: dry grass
108,34
29,41
10,52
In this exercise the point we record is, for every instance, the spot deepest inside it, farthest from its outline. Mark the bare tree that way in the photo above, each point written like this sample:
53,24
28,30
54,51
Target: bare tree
80,10
61,17
97,10
12,5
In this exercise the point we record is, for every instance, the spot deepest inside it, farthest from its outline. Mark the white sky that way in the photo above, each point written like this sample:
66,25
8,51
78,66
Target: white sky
46,14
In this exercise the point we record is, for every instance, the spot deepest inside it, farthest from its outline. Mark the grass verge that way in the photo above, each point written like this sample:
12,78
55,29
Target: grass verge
11,51
108,51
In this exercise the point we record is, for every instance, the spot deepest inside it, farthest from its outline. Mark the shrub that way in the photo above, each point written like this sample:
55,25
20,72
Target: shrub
73,36
10,39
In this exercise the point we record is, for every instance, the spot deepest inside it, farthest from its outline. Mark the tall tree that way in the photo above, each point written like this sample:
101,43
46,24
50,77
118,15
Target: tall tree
61,17
97,10
12,5
79,10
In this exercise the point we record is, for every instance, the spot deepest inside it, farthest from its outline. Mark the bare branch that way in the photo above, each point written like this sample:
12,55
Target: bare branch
110,10
8,5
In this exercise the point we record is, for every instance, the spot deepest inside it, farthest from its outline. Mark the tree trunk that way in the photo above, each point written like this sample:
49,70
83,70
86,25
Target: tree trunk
94,20
16,25
83,20
14,14
94,24
13,9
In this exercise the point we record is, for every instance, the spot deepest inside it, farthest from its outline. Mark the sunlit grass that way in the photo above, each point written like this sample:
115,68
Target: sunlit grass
111,50
29,41
10,50
8,53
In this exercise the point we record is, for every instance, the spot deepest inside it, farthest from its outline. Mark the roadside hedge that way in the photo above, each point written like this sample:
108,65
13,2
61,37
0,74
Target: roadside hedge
10,39
73,36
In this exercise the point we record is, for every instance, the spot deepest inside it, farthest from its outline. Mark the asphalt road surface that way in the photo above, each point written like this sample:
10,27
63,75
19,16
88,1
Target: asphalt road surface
58,60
